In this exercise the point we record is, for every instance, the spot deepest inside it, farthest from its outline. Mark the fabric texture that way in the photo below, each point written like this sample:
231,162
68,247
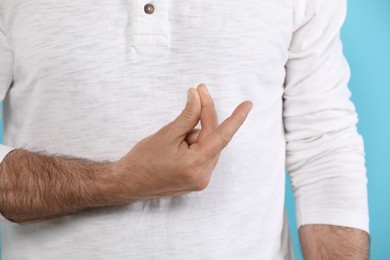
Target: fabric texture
90,79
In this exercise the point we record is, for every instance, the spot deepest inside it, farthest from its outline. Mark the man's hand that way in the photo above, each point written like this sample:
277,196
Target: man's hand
175,160
178,158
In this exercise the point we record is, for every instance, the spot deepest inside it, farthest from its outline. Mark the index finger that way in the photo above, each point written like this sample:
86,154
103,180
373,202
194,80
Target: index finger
208,118
223,134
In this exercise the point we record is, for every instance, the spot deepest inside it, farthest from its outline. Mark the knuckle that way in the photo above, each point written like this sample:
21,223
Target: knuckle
196,179
187,114
202,184
225,140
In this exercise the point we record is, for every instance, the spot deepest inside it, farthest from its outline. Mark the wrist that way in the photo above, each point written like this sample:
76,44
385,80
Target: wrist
115,183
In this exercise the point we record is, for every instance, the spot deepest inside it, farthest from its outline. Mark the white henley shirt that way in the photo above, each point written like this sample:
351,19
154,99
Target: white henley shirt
91,78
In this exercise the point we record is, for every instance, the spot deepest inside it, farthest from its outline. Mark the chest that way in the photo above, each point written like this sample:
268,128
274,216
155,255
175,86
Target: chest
100,30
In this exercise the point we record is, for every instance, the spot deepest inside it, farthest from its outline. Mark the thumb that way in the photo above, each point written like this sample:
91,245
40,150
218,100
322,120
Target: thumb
189,117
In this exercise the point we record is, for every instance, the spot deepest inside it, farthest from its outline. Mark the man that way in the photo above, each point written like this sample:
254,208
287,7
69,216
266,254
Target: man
91,79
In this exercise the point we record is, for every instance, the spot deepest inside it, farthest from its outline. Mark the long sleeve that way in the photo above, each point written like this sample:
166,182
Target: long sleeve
325,154
6,64
6,75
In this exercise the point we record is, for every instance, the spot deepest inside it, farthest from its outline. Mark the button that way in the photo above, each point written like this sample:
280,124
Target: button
149,8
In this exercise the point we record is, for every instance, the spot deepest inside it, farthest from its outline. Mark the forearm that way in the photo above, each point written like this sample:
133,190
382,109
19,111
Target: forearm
37,187
173,161
333,242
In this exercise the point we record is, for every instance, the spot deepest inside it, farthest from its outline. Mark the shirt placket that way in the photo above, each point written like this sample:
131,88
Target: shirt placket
151,27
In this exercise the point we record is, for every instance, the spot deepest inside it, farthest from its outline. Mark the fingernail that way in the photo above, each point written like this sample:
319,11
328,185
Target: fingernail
250,107
204,87
189,95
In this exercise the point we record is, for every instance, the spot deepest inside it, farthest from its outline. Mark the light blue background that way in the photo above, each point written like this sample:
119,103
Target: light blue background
366,36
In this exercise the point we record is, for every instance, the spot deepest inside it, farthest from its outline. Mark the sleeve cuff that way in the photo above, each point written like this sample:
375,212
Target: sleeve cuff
5,221
334,217
4,150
